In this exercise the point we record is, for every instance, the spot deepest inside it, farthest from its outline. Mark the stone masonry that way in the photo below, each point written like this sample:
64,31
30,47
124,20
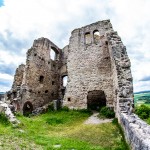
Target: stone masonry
95,63
96,68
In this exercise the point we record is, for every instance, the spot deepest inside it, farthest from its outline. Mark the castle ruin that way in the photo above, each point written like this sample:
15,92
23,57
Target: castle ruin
91,72
95,66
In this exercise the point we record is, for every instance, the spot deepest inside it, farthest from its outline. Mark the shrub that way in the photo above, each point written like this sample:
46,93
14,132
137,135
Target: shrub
18,114
143,111
65,108
51,107
3,119
107,112
148,120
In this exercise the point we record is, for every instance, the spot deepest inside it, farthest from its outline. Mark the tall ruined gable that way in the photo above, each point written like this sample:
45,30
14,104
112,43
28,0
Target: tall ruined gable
98,68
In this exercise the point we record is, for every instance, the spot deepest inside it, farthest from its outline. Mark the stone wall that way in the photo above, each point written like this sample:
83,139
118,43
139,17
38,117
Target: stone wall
94,60
42,73
4,109
121,73
88,65
38,82
97,65
18,77
137,132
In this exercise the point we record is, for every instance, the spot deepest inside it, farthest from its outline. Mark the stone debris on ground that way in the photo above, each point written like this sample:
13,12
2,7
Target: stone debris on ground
4,108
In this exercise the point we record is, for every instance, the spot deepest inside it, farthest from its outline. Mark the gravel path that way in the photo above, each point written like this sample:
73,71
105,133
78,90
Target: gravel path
95,120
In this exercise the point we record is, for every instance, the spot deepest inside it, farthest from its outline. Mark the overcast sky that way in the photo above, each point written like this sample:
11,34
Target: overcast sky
22,21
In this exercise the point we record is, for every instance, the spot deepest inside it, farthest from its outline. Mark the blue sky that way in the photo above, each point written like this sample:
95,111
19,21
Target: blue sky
22,21
1,2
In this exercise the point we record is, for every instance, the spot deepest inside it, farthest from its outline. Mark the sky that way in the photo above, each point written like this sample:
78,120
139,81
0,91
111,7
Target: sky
22,21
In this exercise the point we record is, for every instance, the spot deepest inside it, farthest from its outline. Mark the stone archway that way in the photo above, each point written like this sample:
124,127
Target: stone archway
27,108
96,99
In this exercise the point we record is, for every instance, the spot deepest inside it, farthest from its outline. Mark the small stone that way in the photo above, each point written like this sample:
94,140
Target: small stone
57,146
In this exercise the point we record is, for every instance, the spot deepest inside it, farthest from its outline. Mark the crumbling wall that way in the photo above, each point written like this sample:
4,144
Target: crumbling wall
4,109
122,78
18,77
88,65
37,83
137,132
63,70
94,60
41,73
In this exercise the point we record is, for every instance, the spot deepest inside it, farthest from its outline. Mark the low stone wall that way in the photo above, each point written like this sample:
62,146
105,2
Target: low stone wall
137,132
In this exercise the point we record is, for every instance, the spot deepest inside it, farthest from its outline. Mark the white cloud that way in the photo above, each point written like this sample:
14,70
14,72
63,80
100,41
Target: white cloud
4,88
6,76
10,58
26,20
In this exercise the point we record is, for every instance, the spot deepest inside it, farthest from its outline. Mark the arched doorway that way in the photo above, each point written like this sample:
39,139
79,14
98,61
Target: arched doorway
27,108
96,99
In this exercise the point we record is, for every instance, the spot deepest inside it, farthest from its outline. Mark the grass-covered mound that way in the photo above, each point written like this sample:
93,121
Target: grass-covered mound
63,130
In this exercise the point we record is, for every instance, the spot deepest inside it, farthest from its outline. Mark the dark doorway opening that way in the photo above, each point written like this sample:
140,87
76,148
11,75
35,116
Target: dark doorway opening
27,108
96,99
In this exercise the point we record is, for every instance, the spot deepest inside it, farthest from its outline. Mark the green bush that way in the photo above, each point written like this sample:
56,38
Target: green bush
3,119
18,114
107,112
148,120
65,108
143,111
50,107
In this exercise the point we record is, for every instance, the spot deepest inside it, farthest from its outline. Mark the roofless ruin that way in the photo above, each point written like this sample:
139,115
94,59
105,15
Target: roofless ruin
91,72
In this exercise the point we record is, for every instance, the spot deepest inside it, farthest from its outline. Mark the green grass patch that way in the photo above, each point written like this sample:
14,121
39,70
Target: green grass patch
124,145
64,128
143,111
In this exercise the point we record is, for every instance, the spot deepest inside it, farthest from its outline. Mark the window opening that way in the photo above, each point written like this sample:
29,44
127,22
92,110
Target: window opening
41,79
87,38
65,79
96,36
53,53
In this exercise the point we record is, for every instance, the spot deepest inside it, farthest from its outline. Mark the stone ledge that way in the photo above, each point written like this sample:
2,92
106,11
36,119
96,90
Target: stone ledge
137,132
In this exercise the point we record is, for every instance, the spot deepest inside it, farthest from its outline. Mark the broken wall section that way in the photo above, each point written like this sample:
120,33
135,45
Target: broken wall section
137,132
14,95
41,80
63,72
122,78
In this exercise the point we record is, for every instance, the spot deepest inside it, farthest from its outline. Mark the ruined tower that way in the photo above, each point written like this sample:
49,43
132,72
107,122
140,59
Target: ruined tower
95,64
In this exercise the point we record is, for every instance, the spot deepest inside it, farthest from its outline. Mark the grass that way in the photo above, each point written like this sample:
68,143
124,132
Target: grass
62,130
143,111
